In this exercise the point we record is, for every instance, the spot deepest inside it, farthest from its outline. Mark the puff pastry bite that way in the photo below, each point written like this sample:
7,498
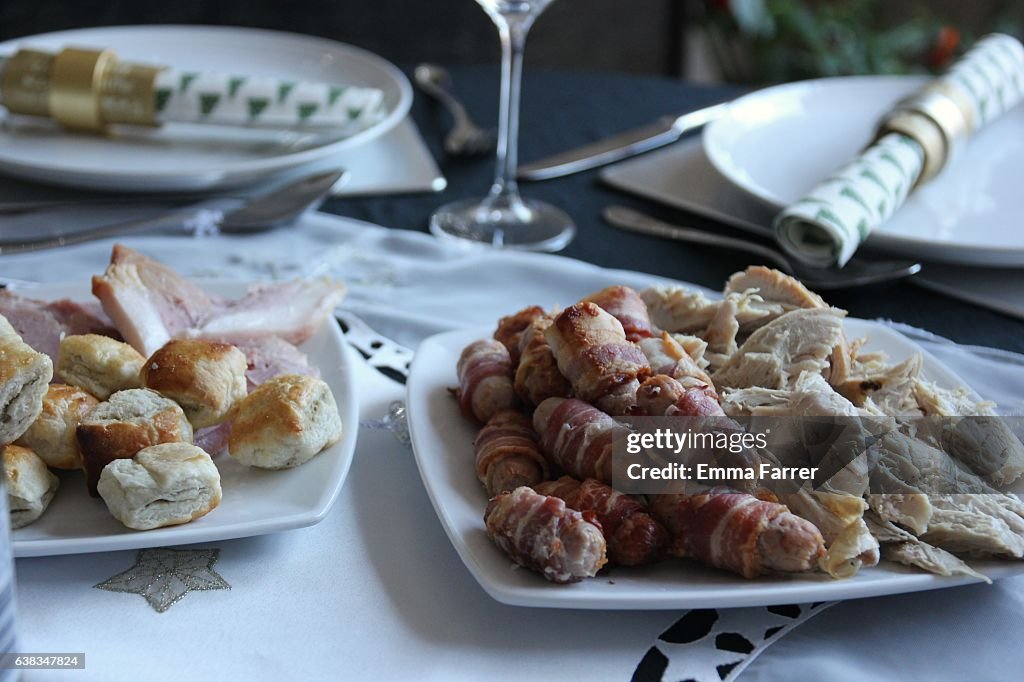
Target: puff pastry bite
53,434
284,423
24,376
127,423
30,485
98,364
206,378
163,485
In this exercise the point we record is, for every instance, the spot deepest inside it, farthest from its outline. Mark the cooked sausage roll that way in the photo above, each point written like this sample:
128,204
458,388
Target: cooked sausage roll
128,422
30,485
626,306
542,534
207,378
577,437
537,377
285,422
485,380
738,532
52,435
511,327
594,355
163,485
24,377
98,364
507,455
634,537
663,396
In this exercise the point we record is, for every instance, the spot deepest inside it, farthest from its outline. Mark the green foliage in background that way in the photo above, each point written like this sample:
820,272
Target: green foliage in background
782,40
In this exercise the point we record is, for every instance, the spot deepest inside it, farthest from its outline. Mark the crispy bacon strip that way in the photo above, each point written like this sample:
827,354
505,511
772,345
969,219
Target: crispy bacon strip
577,437
634,537
542,534
593,354
485,380
661,395
537,377
625,305
738,532
511,327
507,456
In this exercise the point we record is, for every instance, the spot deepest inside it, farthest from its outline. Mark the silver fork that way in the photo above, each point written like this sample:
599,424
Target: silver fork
466,138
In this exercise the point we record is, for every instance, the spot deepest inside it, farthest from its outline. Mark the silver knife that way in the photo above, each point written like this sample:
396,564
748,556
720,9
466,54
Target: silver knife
622,146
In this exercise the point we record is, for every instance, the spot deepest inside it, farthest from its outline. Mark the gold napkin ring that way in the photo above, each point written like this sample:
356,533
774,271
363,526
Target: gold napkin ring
75,83
935,119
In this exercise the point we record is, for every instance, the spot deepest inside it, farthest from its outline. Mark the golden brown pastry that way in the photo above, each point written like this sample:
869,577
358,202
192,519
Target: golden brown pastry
24,376
284,423
52,435
130,421
30,485
98,364
206,378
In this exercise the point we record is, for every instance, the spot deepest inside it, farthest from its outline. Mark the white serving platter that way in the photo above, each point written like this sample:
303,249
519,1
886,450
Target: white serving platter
443,443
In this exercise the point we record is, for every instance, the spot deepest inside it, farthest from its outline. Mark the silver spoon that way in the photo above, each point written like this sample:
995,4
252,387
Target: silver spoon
466,138
278,206
856,273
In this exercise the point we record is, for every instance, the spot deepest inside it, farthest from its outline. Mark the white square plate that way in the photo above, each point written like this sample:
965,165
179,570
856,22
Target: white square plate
443,443
255,501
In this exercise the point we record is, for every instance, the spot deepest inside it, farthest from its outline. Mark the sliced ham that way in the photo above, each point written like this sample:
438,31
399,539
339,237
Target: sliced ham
42,324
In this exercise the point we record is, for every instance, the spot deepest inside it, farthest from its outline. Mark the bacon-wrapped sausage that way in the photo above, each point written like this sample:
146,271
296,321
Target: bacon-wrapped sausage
594,355
667,356
542,534
577,437
485,380
626,306
511,327
634,537
661,395
537,377
738,532
507,456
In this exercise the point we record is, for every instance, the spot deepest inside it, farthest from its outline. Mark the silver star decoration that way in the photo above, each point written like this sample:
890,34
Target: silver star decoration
164,576
394,421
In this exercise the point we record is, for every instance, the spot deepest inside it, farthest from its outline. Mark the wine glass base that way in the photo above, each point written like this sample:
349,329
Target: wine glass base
524,224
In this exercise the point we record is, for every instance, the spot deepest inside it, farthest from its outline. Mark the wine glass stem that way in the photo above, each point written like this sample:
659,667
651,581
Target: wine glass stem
512,30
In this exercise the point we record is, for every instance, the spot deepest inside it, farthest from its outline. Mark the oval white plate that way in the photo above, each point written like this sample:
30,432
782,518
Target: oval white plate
256,502
442,440
194,157
777,143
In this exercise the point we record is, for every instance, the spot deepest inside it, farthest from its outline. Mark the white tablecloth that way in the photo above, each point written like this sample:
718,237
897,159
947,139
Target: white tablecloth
376,590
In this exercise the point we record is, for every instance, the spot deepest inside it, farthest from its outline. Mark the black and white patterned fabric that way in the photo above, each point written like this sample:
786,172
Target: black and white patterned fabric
716,645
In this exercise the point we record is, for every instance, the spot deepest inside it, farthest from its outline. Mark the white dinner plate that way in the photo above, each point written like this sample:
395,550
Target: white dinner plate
180,157
255,501
443,444
778,143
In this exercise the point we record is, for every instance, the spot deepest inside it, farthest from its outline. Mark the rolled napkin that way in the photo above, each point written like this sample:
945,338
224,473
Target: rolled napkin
913,143
91,89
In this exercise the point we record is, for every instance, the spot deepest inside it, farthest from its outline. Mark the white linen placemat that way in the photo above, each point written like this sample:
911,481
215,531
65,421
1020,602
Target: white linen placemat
376,590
